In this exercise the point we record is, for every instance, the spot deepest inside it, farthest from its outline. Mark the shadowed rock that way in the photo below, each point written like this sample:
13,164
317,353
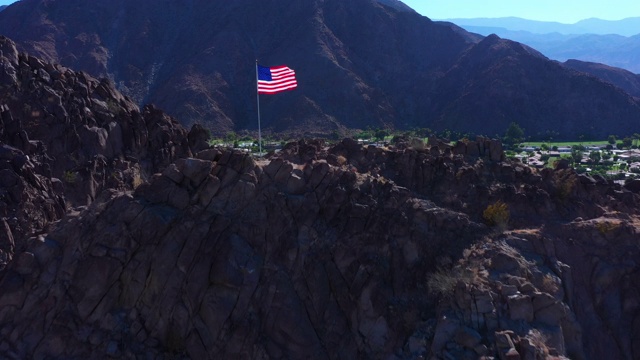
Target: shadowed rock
225,257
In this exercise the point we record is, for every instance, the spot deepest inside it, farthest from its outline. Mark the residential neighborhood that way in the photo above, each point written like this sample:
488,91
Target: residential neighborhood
619,164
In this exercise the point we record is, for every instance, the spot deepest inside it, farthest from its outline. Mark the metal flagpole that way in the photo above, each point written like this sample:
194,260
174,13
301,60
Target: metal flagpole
258,100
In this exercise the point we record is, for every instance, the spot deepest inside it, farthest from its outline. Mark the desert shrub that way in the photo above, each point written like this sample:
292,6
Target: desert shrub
137,181
606,227
442,283
70,177
137,178
565,183
549,284
497,214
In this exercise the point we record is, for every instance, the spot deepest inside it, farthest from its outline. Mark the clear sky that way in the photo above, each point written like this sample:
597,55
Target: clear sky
564,11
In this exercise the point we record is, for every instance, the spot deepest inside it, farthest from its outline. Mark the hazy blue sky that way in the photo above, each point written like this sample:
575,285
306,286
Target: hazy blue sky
566,11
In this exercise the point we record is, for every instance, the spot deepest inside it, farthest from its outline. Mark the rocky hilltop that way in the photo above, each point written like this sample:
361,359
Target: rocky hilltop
360,63
339,252
162,247
66,136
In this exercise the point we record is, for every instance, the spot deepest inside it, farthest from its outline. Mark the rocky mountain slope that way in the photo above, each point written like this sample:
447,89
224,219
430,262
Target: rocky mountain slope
359,64
623,79
320,251
509,65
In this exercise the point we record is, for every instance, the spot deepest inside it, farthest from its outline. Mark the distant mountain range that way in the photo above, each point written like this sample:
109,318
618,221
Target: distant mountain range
624,27
2,7
359,63
615,43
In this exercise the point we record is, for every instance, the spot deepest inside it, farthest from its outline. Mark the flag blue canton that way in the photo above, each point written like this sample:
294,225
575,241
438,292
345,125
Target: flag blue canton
264,73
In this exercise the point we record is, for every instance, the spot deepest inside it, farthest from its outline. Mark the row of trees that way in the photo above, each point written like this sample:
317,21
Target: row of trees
515,135
627,142
380,134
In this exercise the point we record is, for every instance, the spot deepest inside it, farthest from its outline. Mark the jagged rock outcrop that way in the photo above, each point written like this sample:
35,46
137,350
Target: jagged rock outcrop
565,290
501,300
28,201
88,123
218,257
65,137
322,253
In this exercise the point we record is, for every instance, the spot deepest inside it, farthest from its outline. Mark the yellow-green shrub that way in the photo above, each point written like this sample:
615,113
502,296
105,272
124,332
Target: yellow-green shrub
496,214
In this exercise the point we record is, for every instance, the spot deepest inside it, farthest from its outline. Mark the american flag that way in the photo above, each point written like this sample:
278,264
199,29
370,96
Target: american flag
275,79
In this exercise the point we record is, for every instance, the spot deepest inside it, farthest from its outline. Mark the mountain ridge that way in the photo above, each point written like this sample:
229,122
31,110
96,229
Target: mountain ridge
624,79
613,50
192,61
626,27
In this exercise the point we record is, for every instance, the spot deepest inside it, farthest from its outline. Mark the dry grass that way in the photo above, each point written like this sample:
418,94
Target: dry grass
539,340
549,284
442,283
606,227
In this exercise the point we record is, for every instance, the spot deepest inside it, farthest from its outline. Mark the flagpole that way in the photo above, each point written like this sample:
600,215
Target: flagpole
258,101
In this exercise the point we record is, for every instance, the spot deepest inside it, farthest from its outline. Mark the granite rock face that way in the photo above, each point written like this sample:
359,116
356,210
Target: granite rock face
65,137
86,132
223,256
213,255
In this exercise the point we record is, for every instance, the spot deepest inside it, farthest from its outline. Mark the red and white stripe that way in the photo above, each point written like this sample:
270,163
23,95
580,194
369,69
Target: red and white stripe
283,78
